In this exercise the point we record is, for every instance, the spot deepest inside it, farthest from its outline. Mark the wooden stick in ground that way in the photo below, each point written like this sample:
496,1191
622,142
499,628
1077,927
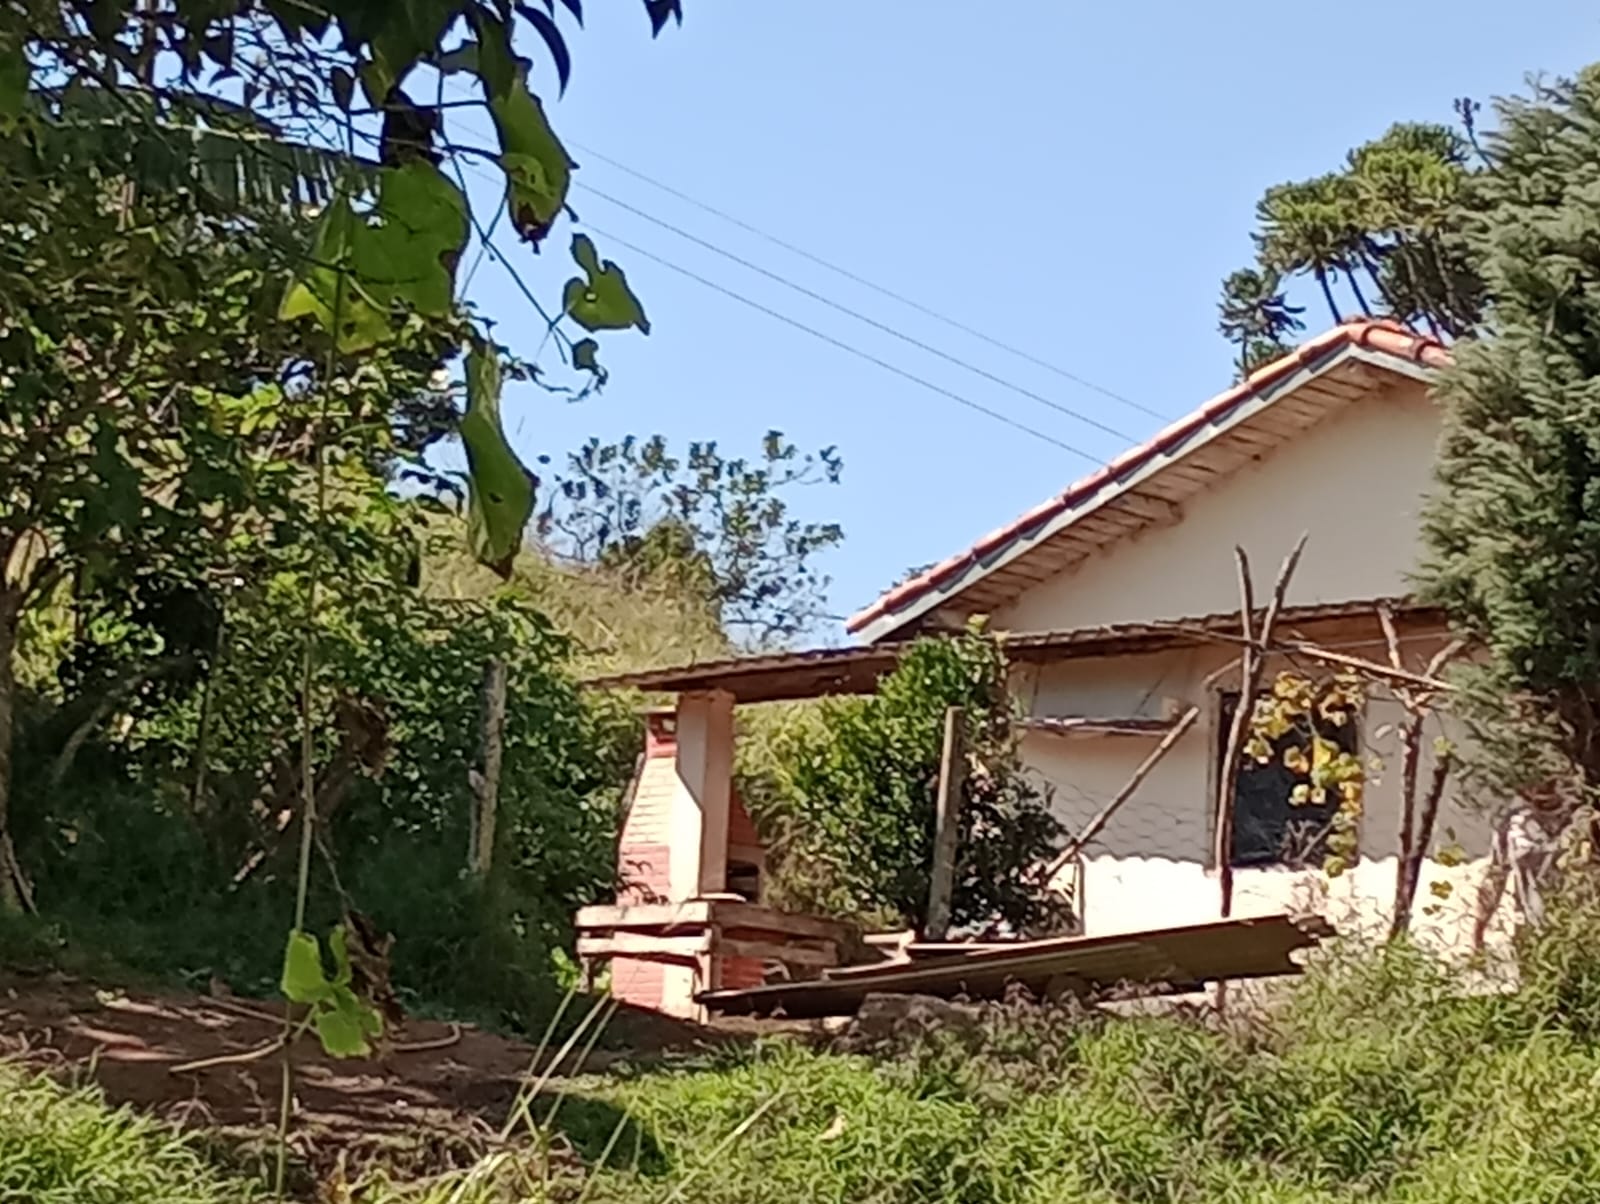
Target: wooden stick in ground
1254,659
486,782
947,826
1092,829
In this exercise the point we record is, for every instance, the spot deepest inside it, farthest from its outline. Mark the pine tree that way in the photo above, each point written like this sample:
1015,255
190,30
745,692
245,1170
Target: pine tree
1513,535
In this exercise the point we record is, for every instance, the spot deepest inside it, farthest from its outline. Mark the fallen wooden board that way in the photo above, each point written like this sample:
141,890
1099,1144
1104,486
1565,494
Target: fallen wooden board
1179,958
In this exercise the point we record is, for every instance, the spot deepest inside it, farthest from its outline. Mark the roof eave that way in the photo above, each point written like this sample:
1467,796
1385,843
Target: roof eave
893,624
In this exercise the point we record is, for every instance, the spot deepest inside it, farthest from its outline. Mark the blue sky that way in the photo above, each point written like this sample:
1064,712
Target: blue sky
1074,180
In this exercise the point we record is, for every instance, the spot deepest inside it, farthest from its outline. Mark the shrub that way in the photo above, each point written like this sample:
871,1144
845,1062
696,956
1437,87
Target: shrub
850,792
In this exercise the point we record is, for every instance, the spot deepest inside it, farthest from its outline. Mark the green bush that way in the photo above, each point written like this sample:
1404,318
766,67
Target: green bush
847,789
127,858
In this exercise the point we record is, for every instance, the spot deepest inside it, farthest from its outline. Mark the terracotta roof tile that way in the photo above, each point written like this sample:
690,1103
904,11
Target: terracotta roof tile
1387,337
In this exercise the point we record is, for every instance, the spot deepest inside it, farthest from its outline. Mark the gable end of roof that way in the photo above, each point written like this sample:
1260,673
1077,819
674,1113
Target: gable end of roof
1383,343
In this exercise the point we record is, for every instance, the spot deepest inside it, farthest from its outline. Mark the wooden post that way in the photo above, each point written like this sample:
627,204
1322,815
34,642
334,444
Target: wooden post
947,825
486,780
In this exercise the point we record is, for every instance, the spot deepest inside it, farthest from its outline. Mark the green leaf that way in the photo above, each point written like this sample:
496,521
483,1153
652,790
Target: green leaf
585,353
377,81
538,168
303,979
317,293
410,254
500,488
13,83
342,1026
602,300
493,57
341,956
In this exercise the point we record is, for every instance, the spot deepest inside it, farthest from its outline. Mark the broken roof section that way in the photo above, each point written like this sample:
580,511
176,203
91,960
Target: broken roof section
823,671
1147,484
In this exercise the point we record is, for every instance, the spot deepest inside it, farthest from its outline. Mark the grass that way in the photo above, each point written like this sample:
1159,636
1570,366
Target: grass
1380,1078
67,1147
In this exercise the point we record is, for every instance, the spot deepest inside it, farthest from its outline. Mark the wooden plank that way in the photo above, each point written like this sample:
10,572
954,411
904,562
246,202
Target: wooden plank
644,947
947,823
645,915
772,951
764,919
1181,957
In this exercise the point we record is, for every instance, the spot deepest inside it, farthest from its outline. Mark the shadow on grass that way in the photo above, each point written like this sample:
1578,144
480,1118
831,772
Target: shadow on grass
591,1124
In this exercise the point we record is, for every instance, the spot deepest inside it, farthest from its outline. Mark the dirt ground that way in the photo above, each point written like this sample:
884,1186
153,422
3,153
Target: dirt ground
434,1096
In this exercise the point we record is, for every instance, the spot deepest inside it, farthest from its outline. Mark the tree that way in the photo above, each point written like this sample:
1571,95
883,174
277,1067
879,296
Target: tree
235,93
158,419
1513,532
850,793
1387,227
227,104
718,527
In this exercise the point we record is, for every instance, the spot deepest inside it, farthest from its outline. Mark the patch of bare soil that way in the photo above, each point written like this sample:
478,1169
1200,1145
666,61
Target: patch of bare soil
435,1095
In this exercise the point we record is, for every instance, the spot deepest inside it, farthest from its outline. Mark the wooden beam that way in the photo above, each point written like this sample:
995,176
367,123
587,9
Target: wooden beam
946,825
728,914
645,947
773,951
1306,648
695,912
1152,509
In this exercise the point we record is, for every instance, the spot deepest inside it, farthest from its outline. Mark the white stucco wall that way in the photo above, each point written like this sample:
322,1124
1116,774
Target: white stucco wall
1355,482
1151,866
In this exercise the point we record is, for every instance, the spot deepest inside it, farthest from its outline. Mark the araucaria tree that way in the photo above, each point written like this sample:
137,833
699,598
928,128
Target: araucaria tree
1379,237
1513,536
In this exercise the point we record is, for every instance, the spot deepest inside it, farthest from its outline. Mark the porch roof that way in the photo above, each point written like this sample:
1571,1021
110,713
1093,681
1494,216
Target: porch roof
815,672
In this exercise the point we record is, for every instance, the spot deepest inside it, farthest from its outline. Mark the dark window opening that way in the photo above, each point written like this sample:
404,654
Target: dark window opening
1269,828
744,879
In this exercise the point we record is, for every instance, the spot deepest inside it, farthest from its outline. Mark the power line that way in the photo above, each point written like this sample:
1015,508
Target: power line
979,407
858,316
843,346
954,323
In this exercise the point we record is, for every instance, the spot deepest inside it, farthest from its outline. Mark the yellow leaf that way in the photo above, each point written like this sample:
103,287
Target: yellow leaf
1440,890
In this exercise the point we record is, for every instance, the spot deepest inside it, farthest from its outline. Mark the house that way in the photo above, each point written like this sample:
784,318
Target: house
1119,604
1335,441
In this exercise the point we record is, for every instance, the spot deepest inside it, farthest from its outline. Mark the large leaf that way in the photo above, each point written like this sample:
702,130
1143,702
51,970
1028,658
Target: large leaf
537,167
326,289
303,979
601,300
344,1023
405,252
500,488
410,253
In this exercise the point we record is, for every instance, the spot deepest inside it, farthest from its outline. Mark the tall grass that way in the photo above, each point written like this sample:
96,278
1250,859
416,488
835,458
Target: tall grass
1380,1078
66,1147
